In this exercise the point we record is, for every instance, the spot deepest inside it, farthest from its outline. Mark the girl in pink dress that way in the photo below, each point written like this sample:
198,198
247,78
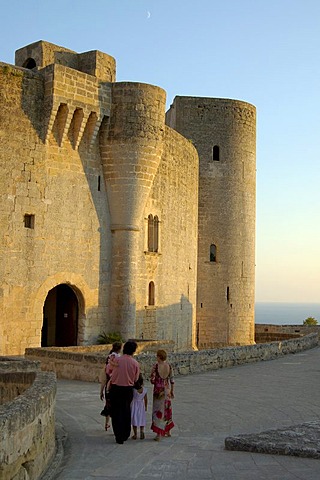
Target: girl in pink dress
139,406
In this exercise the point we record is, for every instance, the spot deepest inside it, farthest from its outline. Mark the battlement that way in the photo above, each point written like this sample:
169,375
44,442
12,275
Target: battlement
112,220
41,54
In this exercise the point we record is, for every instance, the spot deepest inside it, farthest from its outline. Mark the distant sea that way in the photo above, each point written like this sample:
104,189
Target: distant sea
278,313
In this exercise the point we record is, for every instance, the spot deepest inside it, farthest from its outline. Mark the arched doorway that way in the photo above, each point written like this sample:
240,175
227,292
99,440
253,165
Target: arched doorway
60,317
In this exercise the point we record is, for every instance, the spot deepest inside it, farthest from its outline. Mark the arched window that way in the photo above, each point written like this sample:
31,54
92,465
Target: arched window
153,233
156,233
213,253
216,153
151,300
30,63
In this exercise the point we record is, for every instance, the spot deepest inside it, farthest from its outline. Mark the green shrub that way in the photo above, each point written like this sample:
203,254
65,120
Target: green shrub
310,321
107,338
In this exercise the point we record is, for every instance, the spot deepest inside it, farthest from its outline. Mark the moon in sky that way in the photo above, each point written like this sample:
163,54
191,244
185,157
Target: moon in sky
148,14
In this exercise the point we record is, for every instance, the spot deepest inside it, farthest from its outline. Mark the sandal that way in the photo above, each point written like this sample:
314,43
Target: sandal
107,426
141,436
134,437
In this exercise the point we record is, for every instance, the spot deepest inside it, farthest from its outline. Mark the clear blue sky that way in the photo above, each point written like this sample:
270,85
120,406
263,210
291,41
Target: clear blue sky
266,52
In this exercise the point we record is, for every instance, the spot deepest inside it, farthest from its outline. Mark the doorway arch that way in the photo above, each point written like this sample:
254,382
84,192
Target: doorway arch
60,317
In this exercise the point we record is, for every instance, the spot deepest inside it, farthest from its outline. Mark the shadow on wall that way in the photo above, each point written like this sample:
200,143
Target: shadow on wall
173,322
37,107
32,99
66,324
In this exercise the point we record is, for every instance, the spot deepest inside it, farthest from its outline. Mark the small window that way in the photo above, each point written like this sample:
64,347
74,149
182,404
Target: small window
29,221
213,253
151,300
215,153
30,63
153,233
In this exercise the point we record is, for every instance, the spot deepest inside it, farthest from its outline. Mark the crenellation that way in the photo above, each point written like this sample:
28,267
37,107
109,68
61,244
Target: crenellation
92,159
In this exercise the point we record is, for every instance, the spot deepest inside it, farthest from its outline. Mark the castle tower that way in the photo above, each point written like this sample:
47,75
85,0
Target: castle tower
224,133
131,148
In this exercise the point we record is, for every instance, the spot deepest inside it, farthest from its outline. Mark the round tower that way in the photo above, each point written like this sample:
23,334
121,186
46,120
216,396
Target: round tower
131,149
224,133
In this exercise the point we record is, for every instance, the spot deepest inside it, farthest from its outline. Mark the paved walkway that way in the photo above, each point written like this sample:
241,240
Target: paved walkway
208,408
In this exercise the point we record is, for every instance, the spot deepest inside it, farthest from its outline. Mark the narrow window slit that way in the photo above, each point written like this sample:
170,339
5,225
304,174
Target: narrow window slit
216,153
29,221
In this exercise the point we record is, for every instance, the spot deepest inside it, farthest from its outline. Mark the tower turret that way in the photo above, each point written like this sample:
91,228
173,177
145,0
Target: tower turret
131,149
224,134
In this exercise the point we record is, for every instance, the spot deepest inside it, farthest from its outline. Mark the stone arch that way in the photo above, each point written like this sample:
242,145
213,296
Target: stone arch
151,294
153,233
60,317
80,290
30,63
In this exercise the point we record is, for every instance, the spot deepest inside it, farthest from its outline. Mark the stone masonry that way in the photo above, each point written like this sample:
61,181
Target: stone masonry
100,196
223,131
27,419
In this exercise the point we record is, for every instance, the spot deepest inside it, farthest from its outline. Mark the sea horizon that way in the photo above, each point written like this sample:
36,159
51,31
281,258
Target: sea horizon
286,313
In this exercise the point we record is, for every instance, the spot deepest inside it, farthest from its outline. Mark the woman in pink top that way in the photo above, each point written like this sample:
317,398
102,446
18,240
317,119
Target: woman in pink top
124,372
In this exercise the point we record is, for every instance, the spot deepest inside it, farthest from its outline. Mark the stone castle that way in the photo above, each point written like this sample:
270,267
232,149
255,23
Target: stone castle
117,216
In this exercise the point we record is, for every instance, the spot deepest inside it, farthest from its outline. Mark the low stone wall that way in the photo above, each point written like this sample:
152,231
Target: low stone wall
207,360
85,363
14,384
267,337
270,333
87,367
27,419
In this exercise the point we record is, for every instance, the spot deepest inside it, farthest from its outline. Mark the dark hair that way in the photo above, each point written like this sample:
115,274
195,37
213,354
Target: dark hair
129,347
139,383
116,347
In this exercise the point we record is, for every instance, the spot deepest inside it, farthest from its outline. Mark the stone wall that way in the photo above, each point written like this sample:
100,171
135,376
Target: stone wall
57,185
81,167
14,384
85,363
173,267
268,333
207,360
224,134
27,420
87,366
41,54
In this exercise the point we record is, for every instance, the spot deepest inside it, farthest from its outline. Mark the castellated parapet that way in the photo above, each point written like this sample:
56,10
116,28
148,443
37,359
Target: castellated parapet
99,208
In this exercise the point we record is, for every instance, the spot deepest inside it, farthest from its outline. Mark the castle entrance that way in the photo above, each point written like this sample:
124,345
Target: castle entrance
60,318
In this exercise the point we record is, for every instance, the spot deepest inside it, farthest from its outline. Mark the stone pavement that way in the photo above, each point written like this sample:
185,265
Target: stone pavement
300,440
208,408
